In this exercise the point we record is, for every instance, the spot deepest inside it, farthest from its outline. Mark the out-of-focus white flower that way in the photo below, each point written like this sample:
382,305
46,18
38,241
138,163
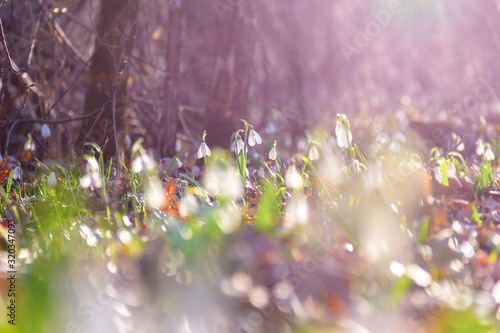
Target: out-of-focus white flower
16,173
92,164
273,154
204,150
93,176
45,131
293,178
223,181
479,147
127,141
52,180
142,162
343,133
395,146
29,145
239,145
382,138
399,137
228,218
438,175
253,138
297,213
451,170
93,179
488,153
155,196
188,205
313,153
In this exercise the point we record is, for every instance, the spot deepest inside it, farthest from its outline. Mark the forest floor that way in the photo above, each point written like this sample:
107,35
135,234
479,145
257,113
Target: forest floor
390,231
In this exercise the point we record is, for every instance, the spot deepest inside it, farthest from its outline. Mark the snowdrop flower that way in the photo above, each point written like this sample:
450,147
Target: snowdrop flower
313,153
293,178
451,170
296,212
254,137
142,162
342,131
92,164
382,138
29,145
479,147
204,150
16,173
93,177
239,145
488,153
272,153
45,131
399,137
223,181
52,181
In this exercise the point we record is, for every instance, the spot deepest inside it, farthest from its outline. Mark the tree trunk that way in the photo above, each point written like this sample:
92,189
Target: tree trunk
231,79
174,45
106,94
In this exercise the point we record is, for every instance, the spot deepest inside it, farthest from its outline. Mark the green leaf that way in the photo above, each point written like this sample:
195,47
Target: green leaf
444,177
269,209
423,233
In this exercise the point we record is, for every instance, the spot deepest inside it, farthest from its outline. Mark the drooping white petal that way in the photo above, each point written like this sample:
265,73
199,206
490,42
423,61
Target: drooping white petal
136,166
239,146
344,136
204,150
254,138
313,153
92,164
488,153
45,131
293,178
479,147
29,146
16,173
272,154
52,180
399,137
85,181
451,170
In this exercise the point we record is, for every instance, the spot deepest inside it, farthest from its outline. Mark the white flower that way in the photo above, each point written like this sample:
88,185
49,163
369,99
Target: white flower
488,153
399,137
382,139
142,162
45,131
16,173
253,138
92,164
204,150
29,145
52,180
344,136
438,175
313,153
451,170
93,177
293,178
239,145
223,181
479,147
273,154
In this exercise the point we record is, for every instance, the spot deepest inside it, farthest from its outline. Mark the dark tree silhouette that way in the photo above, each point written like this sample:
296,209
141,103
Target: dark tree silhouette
107,81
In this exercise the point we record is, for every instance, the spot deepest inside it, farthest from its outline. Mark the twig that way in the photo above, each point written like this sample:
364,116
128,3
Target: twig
4,43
